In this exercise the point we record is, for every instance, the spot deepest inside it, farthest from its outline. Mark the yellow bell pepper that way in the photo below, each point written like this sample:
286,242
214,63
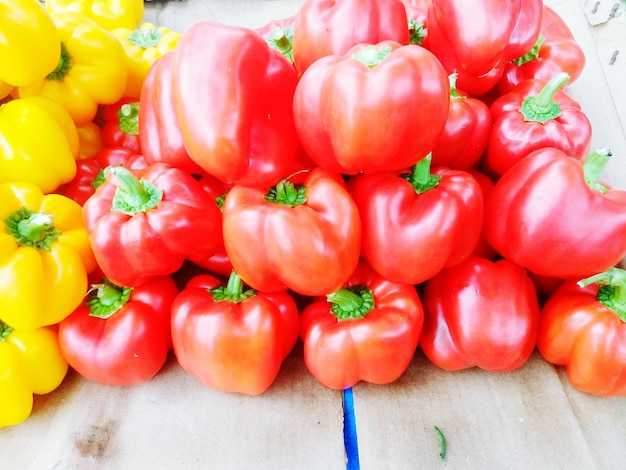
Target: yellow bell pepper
62,118
109,14
45,256
90,137
91,68
30,363
34,147
143,46
29,42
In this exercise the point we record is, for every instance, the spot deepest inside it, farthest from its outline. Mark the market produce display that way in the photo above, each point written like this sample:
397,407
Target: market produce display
367,178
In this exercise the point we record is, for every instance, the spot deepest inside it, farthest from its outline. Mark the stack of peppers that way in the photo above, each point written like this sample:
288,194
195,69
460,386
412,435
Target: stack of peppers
416,181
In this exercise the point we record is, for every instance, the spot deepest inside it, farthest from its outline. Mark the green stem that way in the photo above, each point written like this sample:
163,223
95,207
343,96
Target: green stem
63,67
128,118
351,303
454,93
420,177
32,229
287,193
233,291
593,167
371,55
532,54
416,32
612,290
106,298
542,107
132,195
443,445
5,331
282,40
145,38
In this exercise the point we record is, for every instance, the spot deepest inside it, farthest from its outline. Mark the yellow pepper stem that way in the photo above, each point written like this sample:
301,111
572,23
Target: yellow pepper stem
34,229
63,67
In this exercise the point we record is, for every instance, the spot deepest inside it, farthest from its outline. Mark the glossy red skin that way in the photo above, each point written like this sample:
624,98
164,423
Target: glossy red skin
409,237
465,135
128,348
512,138
233,347
312,248
477,42
112,135
480,313
159,132
543,216
376,348
483,248
133,249
342,109
228,80
582,334
560,52
329,27
87,170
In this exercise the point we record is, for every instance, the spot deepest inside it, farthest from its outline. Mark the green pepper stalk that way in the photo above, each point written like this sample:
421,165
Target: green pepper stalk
532,54
542,107
282,40
33,229
593,167
287,193
132,195
128,118
233,291
63,67
351,303
420,177
106,298
145,38
371,55
611,291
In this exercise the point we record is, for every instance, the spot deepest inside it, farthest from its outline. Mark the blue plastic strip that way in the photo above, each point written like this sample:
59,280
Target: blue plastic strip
349,431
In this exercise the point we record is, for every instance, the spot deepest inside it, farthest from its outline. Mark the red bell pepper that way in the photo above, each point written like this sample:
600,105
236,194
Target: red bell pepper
329,27
483,248
416,223
466,133
550,214
121,124
477,39
480,313
90,171
305,237
533,115
120,335
379,107
233,97
230,338
159,132
145,223
555,51
367,330
583,328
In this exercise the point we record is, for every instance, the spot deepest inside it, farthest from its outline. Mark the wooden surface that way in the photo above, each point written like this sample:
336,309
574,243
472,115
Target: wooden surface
529,418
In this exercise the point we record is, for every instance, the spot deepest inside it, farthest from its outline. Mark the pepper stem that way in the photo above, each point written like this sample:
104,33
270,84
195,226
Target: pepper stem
532,54
132,195
351,303
454,93
287,193
128,118
416,32
593,167
612,290
32,229
371,55
282,40
63,67
420,177
106,298
145,38
233,291
542,107
5,331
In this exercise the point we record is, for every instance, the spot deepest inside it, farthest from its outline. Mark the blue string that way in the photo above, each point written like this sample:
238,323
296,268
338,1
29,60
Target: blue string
349,431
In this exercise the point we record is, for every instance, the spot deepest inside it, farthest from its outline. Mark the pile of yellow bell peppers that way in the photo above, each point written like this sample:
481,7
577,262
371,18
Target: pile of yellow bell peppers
62,60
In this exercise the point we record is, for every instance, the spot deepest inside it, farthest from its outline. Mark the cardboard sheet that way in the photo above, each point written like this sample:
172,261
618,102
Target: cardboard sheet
529,418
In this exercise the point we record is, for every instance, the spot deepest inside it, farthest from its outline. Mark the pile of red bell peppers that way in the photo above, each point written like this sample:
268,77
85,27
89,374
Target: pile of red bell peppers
366,177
